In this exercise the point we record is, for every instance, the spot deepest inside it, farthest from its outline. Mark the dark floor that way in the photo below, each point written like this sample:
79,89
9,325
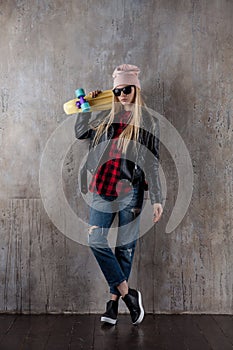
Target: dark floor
160,332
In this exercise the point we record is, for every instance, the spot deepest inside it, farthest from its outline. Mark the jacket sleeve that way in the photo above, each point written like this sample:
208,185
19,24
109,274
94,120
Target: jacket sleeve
152,167
82,129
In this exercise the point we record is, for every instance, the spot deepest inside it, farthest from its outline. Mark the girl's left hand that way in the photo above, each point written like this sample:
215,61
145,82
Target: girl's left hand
158,209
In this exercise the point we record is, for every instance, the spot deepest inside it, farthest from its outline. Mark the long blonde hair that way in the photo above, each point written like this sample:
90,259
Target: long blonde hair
131,131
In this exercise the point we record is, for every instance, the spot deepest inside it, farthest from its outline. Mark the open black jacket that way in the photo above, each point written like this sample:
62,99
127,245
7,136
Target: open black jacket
141,160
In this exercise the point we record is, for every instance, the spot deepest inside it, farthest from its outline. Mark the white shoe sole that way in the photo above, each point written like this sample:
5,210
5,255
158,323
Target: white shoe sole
108,320
141,316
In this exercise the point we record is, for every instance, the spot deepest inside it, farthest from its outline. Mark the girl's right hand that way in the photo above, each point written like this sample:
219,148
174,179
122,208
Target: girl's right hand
94,93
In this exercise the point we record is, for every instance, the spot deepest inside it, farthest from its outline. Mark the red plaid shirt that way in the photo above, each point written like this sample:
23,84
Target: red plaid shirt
107,178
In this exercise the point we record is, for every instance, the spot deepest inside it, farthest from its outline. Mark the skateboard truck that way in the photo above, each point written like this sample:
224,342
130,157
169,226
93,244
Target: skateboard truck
82,103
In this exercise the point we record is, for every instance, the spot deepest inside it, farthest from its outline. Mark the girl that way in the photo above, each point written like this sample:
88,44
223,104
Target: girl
122,167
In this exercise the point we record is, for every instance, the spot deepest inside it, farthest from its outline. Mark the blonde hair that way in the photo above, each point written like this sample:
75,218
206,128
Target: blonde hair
131,131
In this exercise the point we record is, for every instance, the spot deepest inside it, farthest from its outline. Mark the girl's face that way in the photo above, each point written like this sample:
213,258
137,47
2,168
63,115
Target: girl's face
125,98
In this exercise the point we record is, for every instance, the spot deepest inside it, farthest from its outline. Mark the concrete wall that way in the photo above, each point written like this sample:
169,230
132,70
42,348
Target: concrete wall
185,51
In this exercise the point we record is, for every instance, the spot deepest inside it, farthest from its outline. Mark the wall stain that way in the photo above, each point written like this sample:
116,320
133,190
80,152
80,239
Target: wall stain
4,100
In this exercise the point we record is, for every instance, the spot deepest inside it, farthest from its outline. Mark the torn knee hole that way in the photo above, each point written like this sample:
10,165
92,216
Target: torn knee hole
92,228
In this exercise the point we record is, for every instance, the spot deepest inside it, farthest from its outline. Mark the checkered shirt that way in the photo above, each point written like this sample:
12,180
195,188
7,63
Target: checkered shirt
107,179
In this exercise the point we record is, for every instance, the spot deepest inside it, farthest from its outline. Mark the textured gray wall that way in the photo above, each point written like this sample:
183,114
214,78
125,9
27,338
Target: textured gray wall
185,51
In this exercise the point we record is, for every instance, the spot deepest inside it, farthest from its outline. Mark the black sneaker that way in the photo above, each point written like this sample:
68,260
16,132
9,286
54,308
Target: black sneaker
133,301
110,316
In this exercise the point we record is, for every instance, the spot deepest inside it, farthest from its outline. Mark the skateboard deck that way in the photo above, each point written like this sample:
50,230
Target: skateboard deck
100,103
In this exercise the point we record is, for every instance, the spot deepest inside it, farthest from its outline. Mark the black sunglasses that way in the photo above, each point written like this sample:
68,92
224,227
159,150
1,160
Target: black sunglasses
126,90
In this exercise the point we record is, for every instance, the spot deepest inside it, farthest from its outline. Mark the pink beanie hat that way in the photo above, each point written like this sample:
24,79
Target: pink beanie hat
126,74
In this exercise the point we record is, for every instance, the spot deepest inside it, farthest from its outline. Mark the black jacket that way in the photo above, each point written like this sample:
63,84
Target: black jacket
141,161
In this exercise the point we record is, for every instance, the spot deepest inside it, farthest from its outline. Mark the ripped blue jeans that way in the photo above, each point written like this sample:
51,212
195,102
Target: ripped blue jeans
115,263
